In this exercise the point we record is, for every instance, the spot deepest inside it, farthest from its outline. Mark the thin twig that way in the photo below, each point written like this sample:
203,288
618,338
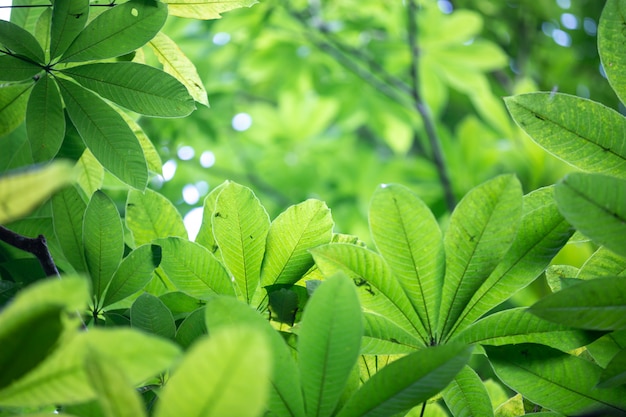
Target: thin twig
422,108
37,246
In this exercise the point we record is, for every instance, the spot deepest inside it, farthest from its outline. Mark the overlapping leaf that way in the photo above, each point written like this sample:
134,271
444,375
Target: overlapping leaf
611,38
68,19
151,315
68,212
150,216
17,69
466,396
19,41
45,121
205,9
13,101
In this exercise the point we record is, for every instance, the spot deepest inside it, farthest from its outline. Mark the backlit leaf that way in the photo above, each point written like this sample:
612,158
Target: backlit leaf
13,99
149,314
611,37
68,211
205,235
20,41
90,173
150,216
466,395
68,19
205,9
45,120
17,69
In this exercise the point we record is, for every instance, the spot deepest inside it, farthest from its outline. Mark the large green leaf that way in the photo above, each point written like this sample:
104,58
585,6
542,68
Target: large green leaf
205,9
615,372
137,87
597,304
178,65
595,205
379,291
407,235
17,69
20,41
13,100
554,379
542,233
328,344
149,150
583,133
226,374
466,396
407,382
151,315
90,175
285,392
611,38
45,120
68,212
603,262
106,134
512,326
32,323
193,269
482,228
62,378
68,19
103,240
150,216
296,230
133,273
118,31
241,225
384,337
23,191
191,328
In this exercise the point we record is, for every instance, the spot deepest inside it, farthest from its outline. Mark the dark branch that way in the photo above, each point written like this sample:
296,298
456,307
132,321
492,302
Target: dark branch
37,246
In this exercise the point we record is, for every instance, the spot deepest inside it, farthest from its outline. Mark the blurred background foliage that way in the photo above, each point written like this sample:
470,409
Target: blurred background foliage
312,98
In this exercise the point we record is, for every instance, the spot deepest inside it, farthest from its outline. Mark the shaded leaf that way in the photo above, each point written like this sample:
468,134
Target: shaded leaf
106,134
45,120
68,19
467,396
17,69
68,212
20,41
13,100
149,151
150,216
615,372
137,87
149,314
191,329
205,9
117,31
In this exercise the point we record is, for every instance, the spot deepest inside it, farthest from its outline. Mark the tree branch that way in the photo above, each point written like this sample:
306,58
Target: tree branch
37,246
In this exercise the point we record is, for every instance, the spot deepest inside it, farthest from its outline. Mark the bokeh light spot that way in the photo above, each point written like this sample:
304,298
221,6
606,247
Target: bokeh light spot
242,122
207,159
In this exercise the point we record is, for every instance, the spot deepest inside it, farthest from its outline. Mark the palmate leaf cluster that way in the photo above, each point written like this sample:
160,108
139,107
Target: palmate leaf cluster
283,316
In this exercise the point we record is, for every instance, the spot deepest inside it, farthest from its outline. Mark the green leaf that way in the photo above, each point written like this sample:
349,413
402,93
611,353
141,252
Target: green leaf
150,216
62,377
90,173
482,228
296,230
149,314
205,9
149,151
13,99
407,235
379,291
467,396
180,304
611,37
615,372
603,262
32,323
597,304
106,134
554,379
68,19
191,329
118,31
407,382
517,325
328,344
178,65
285,392
23,191
68,212
384,337
193,269
241,225
42,31
596,206
20,41
103,240
133,273
45,120
116,395
583,133
137,87
17,69
205,235
226,374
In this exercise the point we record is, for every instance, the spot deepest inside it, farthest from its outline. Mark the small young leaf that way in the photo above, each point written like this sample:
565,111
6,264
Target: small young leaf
103,240
466,395
45,120
217,373
13,99
118,31
596,206
150,216
22,192
17,69
149,314
205,9
328,344
178,65
133,273
68,19
137,87
20,41
597,304
241,225
68,211
106,134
